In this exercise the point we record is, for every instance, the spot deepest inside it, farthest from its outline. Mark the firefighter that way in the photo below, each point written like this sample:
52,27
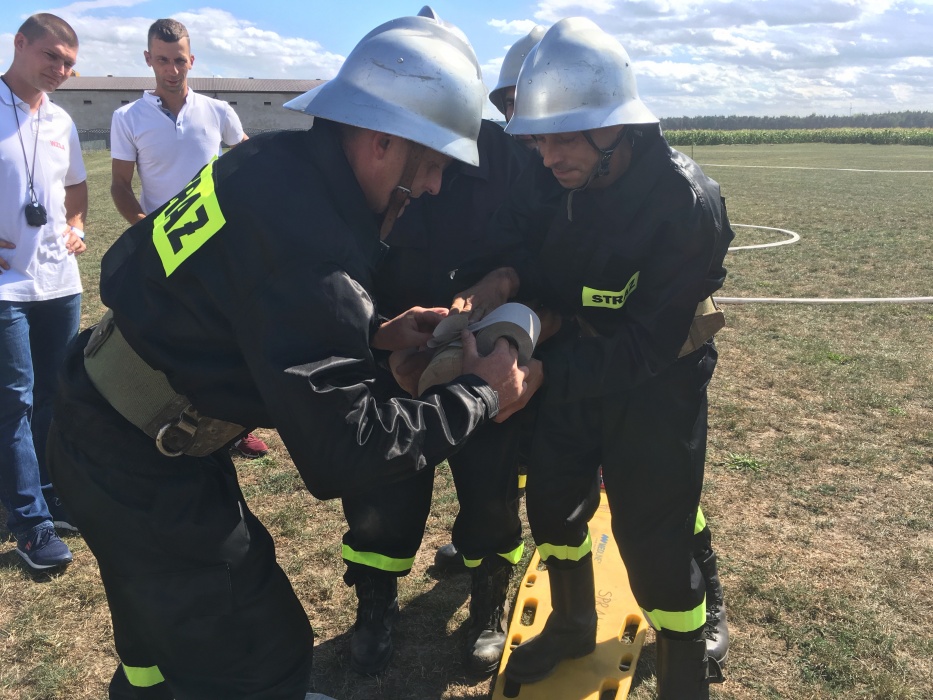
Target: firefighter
717,629
631,257
439,247
245,301
503,97
503,94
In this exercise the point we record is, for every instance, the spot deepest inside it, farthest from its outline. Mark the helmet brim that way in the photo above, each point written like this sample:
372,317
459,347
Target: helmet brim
317,102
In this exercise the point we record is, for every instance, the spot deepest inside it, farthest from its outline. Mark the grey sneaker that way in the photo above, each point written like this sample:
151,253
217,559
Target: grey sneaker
43,549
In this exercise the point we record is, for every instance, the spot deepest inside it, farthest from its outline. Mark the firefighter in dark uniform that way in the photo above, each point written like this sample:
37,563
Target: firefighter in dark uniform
631,258
283,231
437,249
503,97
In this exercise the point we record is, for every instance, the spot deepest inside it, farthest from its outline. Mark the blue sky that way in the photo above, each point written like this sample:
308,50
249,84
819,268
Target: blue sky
691,57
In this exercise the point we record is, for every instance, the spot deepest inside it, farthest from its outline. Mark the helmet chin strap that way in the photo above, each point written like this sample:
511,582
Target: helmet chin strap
402,190
601,169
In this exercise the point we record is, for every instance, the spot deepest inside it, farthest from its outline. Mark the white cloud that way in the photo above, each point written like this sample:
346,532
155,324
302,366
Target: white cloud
904,94
694,57
550,11
85,5
691,57
516,27
231,47
732,43
849,75
913,62
223,44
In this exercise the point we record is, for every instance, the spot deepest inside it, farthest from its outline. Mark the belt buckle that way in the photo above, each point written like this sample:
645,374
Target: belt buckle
186,423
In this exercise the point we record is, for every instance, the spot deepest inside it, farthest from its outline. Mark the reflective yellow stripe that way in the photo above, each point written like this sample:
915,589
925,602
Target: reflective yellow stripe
143,677
515,555
512,557
522,478
377,561
566,552
700,522
601,298
686,621
187,221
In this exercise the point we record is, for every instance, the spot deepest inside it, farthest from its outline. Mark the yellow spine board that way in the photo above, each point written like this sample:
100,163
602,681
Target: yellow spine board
619,635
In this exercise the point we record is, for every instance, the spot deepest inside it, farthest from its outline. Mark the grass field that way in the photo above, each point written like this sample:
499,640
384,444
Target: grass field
819,483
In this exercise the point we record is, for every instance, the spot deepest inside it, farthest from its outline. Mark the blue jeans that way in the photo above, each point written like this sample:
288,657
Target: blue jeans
33,338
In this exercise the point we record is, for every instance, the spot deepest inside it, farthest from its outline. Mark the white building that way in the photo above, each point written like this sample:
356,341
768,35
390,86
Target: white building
91,101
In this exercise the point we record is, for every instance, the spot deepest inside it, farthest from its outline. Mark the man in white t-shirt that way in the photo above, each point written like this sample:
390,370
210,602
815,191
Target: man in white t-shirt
169,135
43,198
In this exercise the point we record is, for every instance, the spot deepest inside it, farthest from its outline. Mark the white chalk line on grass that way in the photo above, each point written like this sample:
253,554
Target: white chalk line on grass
790,300
793,238
805,167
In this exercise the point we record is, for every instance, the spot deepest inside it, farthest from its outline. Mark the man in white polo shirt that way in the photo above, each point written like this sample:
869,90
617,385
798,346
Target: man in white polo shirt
169,135
43,201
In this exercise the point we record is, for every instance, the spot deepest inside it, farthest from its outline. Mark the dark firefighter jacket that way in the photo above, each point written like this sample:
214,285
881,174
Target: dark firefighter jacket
251,291
632,261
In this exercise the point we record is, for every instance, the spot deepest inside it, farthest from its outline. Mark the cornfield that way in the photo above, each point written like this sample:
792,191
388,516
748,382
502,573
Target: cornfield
711,137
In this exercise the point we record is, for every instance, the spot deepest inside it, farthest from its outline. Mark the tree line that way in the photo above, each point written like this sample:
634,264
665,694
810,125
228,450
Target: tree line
887,120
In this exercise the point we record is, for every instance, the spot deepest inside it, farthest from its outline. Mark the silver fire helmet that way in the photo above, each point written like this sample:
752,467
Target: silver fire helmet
431,13
411,77
577,78
512,64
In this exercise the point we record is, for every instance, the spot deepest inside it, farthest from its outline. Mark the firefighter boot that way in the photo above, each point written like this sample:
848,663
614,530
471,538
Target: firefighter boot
570,630
716,630
683,668
489,615
448,558
377,608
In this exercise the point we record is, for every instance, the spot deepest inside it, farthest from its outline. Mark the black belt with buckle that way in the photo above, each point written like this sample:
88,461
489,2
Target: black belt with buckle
145,398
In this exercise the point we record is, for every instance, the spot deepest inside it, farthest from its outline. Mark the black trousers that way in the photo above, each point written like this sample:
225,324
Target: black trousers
389,521
190,573
651,444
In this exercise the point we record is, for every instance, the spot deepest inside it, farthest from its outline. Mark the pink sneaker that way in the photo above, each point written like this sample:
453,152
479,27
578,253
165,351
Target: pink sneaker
250,447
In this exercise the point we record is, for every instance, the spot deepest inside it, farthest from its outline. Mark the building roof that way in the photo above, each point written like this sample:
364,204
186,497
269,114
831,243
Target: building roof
197,84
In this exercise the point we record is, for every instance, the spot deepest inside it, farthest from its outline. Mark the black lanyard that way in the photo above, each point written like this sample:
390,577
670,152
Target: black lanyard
30,173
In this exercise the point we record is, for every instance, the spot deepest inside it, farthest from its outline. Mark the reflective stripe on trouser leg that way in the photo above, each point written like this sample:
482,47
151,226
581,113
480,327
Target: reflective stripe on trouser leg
385,526
512,557
700,522
566,552
377,561
138,683
686,621
484,473
143,677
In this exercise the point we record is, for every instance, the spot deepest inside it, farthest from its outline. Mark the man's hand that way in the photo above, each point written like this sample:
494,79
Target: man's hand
533,382
407,367
411,329
499,369
73,242
4,265
488,294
